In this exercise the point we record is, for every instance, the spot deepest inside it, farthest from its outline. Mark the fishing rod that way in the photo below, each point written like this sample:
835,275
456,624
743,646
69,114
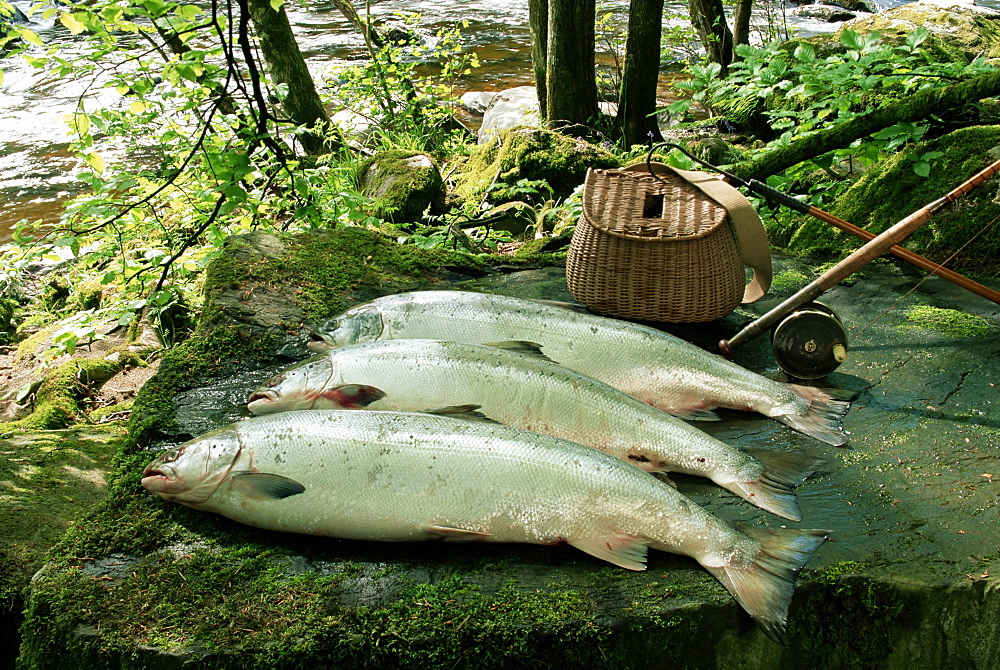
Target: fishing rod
772,194
855,261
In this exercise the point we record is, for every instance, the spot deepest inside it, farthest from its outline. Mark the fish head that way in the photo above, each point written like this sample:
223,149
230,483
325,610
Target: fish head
300,386
363,323
190,473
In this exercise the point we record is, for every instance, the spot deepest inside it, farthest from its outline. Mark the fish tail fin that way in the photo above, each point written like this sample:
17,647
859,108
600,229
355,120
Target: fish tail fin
821,418
764,588
773,489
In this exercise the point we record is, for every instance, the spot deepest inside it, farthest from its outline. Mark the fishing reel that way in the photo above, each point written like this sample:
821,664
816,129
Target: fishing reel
810,342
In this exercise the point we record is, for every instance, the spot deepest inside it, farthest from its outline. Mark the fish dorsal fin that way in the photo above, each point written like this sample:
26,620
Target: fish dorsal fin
263,486
523,347
452,534
353,396
626,551
464,412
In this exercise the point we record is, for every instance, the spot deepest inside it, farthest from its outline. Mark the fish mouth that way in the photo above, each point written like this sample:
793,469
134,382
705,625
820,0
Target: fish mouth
318,344
262,396
157,478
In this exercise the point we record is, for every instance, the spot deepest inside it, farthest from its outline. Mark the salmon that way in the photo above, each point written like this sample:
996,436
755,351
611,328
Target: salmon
651,365
398,477
519,388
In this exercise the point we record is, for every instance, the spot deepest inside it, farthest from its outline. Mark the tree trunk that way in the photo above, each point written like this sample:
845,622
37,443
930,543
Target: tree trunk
286,66
913,108
538,20
709,20
640,75
570,75
741,23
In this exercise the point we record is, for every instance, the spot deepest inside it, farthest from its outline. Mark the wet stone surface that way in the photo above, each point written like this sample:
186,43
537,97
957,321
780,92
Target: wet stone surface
912,502
916,491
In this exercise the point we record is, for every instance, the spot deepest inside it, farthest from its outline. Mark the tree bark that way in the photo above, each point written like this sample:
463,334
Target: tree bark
741,23
286,66
538,21
709,20
570,74
640,75
913,108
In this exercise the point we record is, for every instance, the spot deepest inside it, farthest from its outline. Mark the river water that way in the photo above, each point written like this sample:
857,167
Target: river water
37,171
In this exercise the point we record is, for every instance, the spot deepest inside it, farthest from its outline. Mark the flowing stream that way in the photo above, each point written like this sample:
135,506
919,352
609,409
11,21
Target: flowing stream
38,172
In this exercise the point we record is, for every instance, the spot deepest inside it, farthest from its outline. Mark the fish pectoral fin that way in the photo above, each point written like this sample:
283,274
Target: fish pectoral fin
263,486
626,551
465,412
694,414
523,347
452,534
353,396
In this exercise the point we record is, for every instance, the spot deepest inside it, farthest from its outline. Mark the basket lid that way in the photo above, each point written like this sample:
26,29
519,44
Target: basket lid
632,203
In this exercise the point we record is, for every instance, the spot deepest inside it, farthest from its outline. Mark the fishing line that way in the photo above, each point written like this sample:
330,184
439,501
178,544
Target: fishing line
921,282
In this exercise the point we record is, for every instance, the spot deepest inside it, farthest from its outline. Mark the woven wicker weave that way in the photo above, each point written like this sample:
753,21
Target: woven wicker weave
653,251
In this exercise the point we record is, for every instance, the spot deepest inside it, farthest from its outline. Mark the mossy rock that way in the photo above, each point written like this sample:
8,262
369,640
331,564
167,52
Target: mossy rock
891,190
527,154
8,327
959,33
910,582
402,185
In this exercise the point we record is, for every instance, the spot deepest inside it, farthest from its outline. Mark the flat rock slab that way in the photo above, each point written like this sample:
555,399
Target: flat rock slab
910,578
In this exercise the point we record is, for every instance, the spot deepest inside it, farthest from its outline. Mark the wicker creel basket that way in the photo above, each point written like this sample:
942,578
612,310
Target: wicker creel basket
670,249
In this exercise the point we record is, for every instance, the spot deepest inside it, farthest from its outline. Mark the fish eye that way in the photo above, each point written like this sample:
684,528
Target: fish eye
172,455
274,381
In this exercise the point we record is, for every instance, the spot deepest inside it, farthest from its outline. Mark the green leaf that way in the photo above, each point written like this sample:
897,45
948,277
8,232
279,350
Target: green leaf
30,36
71,23
851,39
95,161
805,53
922,168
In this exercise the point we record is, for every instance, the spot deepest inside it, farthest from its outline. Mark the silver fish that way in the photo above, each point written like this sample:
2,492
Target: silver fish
655,367
528,392
398,477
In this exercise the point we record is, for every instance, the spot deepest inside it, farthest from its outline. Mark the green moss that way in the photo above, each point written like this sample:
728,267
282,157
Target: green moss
851,617
58,396
528,154
789,280
950,322
892,190
400,191
47,480
7,324
324,270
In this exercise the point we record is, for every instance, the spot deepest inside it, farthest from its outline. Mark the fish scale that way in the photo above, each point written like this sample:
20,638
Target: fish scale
392,476
534,394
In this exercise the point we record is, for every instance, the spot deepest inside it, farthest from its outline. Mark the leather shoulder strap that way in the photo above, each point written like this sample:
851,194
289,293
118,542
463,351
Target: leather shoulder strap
751,238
